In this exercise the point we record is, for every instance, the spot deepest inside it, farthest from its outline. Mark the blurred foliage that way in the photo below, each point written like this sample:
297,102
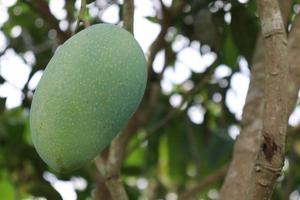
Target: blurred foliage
177,155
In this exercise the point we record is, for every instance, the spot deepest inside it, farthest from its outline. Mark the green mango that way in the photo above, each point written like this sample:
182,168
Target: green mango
88,92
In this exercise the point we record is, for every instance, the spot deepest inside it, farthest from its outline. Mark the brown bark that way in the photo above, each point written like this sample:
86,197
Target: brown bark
270,158
247,144
112,181
128,15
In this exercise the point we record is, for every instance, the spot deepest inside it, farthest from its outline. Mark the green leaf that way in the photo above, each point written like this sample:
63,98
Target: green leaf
7,190
163,160
178,153
229,50
152,19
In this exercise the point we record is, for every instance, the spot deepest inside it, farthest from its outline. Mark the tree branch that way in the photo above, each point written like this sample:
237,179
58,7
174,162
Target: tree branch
112,182
110,168
247,144
270,158
128,15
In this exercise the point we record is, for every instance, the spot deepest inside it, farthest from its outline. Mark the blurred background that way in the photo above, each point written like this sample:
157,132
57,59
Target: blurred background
199,54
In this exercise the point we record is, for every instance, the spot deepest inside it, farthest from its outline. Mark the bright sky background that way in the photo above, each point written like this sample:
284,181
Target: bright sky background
189,60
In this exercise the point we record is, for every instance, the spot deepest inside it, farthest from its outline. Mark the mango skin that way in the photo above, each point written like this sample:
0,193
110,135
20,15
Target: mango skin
89,90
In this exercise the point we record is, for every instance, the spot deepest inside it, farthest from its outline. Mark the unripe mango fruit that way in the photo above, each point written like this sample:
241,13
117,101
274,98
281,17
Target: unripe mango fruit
89,90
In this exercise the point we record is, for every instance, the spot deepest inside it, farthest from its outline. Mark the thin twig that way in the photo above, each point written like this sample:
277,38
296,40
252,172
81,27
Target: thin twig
208,181
80,15
128,15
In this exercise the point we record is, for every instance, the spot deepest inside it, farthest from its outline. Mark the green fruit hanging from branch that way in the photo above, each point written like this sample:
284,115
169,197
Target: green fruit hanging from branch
89,90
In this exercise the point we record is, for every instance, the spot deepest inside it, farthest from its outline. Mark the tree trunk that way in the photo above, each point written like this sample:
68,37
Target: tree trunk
247,144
